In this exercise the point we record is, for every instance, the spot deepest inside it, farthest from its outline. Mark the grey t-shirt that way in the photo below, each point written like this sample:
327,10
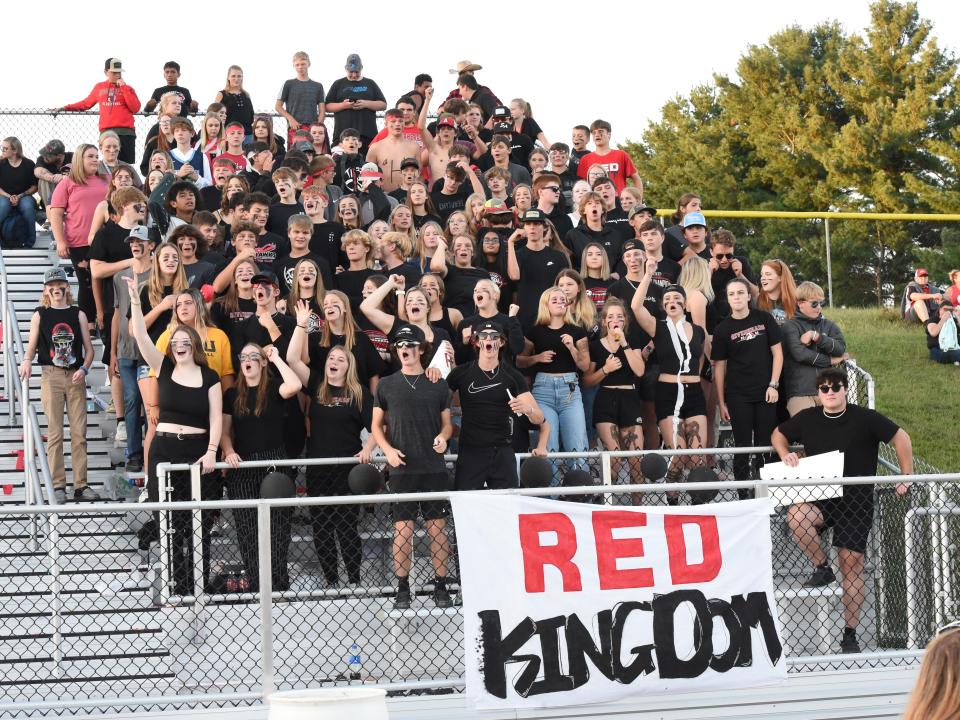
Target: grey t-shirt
126,345
301,97
413,420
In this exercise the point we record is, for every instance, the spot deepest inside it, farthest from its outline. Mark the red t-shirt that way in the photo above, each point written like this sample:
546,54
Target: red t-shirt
617,163
240,160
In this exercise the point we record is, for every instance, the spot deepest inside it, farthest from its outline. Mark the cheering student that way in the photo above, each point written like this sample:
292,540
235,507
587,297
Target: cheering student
486,298
60,336
191,310
307,284
358,249
533,267
253,421
856,432
411,424
341,407
487,388
267,326
416,308
461,277
747,362
237,303
188,430
777,290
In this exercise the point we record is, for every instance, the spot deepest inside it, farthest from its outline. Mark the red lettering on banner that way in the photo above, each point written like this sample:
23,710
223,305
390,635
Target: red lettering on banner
609,550
681,572
537,556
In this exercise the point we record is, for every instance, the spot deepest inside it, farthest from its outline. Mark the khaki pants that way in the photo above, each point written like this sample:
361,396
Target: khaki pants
57,391
802,402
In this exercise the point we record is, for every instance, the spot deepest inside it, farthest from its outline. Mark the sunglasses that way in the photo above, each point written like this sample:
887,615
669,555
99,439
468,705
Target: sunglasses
489,335
814,303
406,344
724,256
252,357
553,188
832,387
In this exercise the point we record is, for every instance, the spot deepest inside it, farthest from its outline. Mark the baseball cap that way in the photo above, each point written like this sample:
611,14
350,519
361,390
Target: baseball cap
446,121
922,271
139,233
534,215
303,146
54,274
501,112
465,66
488,326
257,147
265,277
409,162
371,170
113,65
630,245
496,206
353,63
407,333
637,209
694,218
53,148
503,128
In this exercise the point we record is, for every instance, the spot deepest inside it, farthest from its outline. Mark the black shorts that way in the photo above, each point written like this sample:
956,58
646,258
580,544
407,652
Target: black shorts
694,403
647,383
480,468
851,518
417,483
620,406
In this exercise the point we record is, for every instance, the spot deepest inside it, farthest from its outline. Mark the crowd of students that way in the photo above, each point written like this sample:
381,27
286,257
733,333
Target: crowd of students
456,286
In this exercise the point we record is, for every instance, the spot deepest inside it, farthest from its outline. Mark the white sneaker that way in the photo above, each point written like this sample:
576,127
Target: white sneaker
106,383
60,496
120,437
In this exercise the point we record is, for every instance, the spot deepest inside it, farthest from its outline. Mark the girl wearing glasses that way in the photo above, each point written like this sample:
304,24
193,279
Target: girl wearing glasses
811,344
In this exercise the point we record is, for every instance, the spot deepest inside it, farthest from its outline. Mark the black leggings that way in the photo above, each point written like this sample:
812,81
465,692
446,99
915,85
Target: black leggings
244,484
333,522
84,282
753,424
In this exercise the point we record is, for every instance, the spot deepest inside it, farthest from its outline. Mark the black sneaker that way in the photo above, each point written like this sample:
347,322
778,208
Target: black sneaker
402,599
821,577
441,597
135,464
849,643
85,494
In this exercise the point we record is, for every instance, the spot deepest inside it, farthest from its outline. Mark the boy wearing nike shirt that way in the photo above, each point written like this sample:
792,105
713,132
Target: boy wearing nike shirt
493,396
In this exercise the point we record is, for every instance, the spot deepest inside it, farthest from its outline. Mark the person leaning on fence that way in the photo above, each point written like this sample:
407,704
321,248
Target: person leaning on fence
253,412
60,337
811,343
943,335
935,694
411,424
856,432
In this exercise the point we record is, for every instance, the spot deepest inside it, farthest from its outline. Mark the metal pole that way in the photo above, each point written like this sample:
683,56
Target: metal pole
8,356
606,473
826,228
196,529
265,580
56,620
165,553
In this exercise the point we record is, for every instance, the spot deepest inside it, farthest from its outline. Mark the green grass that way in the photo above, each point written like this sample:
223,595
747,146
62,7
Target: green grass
915,392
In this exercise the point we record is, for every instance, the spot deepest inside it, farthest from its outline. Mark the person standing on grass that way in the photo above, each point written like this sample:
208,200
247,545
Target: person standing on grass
856,432
60,337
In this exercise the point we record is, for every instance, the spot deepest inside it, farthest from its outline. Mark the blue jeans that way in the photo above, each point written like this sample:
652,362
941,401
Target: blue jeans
132,407
559,398
27,209
944,357
589,394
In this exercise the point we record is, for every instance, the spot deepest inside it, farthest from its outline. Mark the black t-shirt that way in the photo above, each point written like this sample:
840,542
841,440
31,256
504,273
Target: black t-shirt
109,245
719,279
369,362
487,419
162,320
546,338
325,242
55,169
446,204
363,121
538,271
623,376
459,284
579,237
17,180
414,408
280,214
745,345
667,358
271,247
520,145
181,404
251,331
350,282
256,433
618,222
514,345
674,243
228,321
598,291
60,342
210,196
411,274
285,266
200,273
335,428
187,99
857,433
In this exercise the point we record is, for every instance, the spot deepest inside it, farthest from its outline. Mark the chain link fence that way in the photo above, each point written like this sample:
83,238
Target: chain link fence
99,613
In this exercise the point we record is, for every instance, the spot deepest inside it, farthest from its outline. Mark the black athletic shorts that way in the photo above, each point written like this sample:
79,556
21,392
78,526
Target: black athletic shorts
647,383
620,406
694,403
429,482
480,468
851,518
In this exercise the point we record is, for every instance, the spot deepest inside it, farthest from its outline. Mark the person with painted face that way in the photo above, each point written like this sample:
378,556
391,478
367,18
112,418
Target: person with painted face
253,422
492,395
680,403
747,362
60,338
411,423
486,300
267,326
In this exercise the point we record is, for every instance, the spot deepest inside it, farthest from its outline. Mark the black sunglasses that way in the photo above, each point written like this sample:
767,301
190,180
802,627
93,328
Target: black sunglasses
814,303
554,188
832,387
724,256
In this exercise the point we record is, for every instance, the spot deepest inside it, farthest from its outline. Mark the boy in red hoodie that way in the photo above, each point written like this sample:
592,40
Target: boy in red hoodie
118,102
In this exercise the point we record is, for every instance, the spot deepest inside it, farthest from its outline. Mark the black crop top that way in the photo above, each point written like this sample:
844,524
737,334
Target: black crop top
547,338
667,356
623,376
183,405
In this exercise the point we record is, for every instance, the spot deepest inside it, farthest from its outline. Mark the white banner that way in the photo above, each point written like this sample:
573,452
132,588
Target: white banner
567,603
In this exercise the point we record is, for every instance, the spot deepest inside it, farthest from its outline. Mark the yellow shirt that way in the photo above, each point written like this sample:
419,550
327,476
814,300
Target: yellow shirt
217,349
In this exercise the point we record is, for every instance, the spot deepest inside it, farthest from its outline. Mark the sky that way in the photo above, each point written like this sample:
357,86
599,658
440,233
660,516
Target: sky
642,55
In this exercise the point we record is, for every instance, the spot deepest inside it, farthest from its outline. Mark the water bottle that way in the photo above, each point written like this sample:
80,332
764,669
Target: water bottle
113,485
353,662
